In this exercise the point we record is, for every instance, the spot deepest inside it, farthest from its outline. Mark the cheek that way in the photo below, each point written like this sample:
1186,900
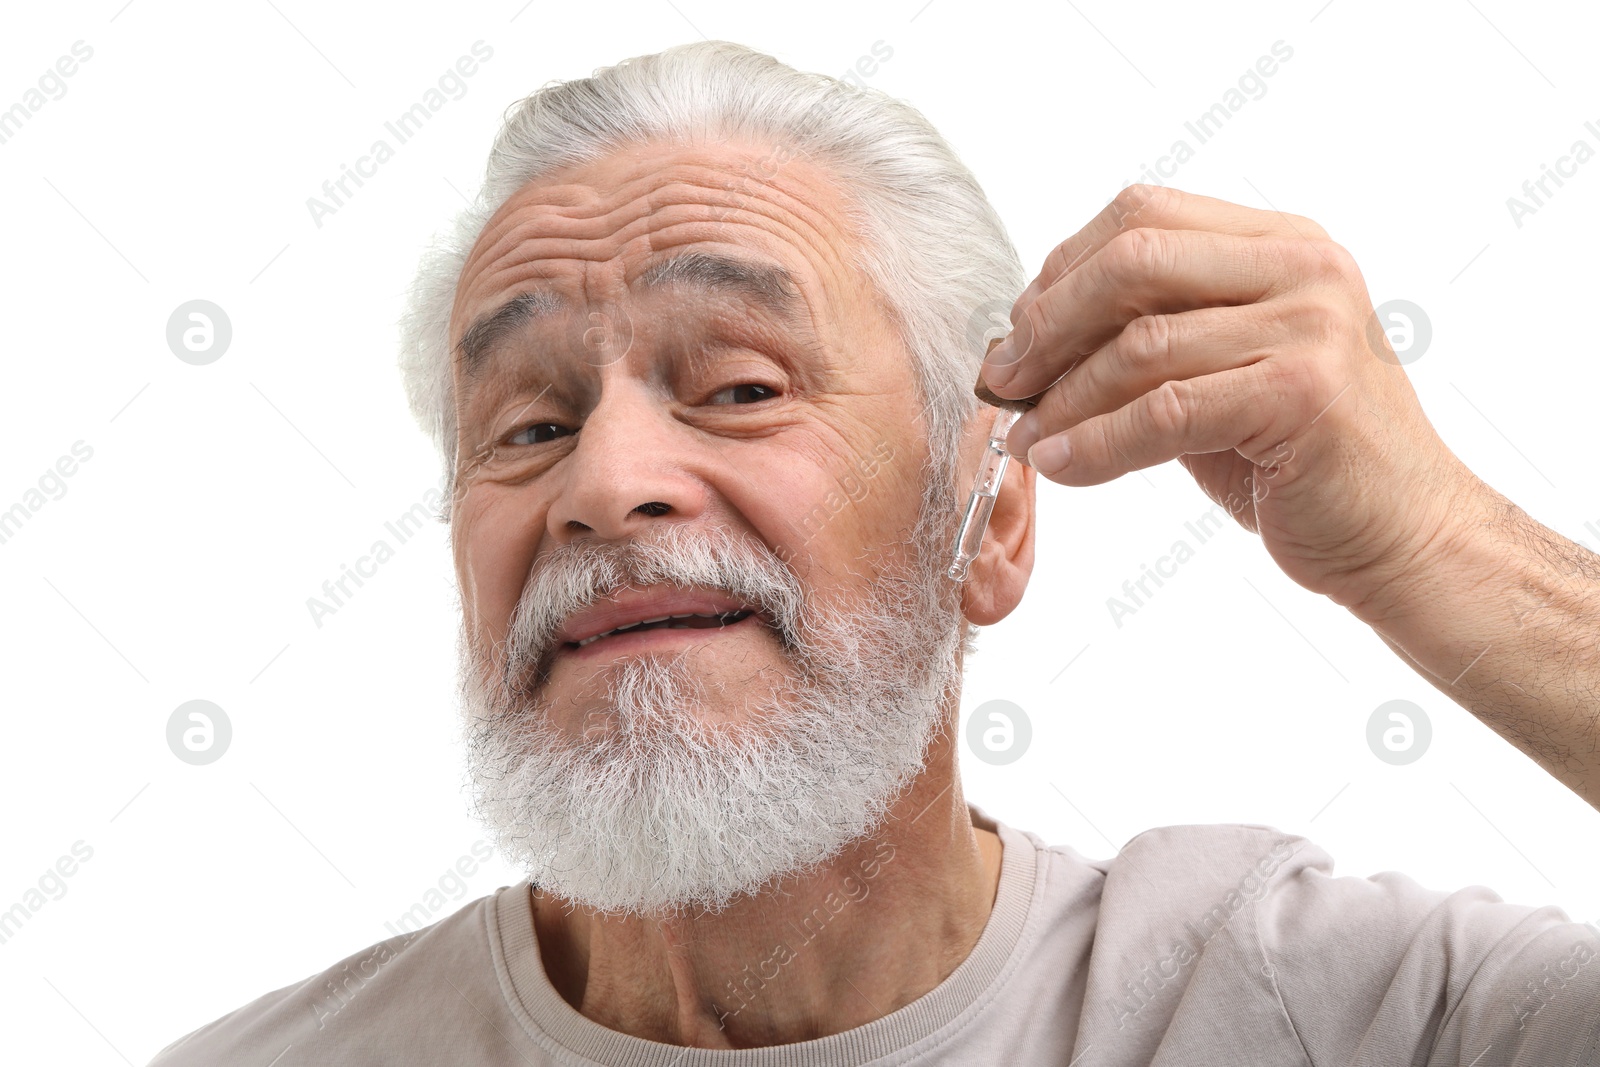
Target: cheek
816,511
494,550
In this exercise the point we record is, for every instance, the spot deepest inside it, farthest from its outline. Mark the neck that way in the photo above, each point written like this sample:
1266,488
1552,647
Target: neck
815,954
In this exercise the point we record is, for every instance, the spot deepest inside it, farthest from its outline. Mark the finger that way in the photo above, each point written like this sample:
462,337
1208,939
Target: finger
1149,351
1147,272
1250,409
1163,208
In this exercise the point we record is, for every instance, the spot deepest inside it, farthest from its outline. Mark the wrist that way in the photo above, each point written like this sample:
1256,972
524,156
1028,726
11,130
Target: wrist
1443,568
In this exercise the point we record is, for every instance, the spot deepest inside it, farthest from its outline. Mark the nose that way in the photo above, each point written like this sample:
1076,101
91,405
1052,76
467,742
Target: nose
633,465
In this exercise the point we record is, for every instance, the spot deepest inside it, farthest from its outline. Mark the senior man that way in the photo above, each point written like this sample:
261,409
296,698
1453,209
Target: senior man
700,362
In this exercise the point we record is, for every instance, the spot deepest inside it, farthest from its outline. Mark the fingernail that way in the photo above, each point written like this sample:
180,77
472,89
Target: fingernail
1050,456
1000,365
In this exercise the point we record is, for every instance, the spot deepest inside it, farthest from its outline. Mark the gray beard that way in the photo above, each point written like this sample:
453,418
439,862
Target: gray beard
656,809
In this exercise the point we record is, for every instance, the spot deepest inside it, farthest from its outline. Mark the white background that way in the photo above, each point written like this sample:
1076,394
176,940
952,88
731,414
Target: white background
219,498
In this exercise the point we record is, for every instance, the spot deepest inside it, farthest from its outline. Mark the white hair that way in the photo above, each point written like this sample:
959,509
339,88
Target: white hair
925,236
664,807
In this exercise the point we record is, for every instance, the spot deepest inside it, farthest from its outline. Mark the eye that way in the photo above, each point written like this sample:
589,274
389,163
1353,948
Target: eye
742,394
536,433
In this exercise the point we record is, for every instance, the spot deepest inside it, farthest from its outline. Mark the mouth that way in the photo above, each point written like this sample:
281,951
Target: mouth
663,632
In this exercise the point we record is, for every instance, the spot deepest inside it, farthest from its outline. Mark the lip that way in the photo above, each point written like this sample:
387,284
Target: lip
631,605
646,640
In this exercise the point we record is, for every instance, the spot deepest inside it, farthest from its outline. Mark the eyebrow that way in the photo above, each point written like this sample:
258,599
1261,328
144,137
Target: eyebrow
768,285
489,331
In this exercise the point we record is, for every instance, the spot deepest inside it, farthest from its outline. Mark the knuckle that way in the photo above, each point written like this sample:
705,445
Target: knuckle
1309,227
1146,342
1141,250
1335,254
1055,264
1168,409
1349,269
1038,319
1143,202
1303,386
1057,409
1325,261
1316,322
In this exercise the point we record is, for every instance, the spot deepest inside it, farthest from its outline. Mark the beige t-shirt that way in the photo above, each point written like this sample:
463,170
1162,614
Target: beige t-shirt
1195,945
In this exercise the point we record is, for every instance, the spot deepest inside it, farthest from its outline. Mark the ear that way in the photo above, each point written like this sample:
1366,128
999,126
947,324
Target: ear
997,578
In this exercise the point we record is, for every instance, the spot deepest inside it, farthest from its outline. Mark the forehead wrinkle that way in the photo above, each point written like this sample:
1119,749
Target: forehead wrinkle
585,215
673,196
663,195
788,210
790,219
820,239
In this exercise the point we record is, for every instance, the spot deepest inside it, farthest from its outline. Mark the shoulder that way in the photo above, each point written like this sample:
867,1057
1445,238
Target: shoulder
1295,891
1289,885
1225,850
1375,959
1274,896
381,986
1251,924
1179,878
1176,861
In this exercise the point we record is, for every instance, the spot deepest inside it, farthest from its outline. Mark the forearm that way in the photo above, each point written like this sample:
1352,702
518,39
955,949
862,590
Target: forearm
1505,620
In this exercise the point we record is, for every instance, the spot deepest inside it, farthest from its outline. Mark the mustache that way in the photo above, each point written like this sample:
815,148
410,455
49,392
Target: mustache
574,575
